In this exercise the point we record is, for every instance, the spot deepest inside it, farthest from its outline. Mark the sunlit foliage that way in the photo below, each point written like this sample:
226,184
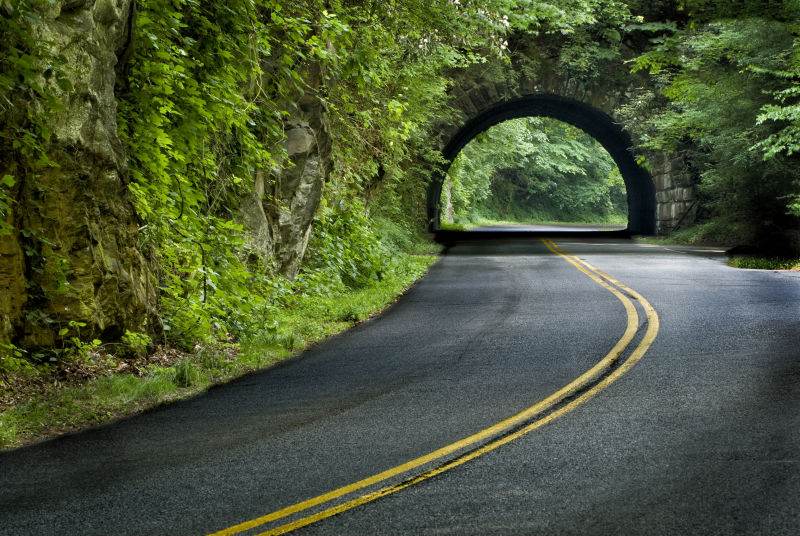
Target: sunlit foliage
536,169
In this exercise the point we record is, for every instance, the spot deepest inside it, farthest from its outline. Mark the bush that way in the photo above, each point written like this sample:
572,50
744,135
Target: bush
343,251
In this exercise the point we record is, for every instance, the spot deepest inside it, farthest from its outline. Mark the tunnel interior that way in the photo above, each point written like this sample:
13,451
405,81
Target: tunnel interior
638,182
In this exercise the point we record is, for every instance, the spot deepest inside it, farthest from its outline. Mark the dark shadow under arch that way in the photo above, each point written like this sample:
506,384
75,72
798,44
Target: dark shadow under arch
638,182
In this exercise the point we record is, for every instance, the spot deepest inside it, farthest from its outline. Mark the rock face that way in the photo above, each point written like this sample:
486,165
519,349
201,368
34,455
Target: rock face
280,211
78,215
12,283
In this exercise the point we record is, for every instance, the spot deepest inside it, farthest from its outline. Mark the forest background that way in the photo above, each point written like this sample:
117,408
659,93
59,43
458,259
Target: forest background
268,164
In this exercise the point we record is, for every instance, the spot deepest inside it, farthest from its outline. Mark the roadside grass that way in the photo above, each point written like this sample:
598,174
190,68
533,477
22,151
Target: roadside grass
761,263
712,234
447,226
693,235
171,375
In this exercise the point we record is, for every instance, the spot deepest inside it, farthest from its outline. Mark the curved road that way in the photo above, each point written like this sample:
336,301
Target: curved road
701,436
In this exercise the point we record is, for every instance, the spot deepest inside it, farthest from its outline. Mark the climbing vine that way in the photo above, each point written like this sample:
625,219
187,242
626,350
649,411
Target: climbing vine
191,132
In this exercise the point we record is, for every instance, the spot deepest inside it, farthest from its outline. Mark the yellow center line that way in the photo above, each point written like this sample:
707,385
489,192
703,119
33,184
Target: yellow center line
579,383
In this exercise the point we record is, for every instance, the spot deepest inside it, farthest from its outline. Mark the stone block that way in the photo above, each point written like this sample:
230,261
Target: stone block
492,93
464,103
666,211
685,194
662,181
478,99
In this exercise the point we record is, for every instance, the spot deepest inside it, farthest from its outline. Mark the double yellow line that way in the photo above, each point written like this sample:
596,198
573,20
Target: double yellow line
583,388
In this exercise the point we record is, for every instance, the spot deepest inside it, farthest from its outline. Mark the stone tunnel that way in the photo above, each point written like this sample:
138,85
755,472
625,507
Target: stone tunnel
661,195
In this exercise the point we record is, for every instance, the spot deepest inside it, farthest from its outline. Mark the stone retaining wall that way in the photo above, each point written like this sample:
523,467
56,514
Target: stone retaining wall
676,191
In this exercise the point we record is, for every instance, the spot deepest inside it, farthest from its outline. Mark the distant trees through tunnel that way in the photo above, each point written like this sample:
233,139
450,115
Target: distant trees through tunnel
533,170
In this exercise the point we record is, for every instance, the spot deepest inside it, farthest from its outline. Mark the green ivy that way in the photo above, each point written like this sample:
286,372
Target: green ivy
190,122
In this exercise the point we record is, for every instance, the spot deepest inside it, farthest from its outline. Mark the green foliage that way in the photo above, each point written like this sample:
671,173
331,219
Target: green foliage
73,347
760,263
343,251
536,169
136,343
592,50
719,79
785,113
191,133
14,360
390,81
186,373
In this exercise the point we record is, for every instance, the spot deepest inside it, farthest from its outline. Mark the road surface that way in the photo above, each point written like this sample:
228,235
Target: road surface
555,229
467,408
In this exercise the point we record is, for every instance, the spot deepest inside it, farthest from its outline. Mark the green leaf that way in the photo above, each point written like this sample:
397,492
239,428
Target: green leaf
64,84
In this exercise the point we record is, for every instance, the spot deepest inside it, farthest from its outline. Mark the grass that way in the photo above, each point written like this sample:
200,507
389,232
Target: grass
761,263
447,226
54,410
712,234
75,407
692,235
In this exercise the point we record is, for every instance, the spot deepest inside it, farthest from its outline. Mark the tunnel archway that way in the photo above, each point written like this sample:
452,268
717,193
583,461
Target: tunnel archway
638,182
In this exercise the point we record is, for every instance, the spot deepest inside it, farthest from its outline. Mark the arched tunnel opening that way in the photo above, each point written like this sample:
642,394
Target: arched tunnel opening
641,197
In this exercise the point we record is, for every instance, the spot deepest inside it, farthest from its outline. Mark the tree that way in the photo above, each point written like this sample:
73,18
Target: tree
728,93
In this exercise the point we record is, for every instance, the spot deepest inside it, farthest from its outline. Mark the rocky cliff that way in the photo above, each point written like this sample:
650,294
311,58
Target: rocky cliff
77,255
279,212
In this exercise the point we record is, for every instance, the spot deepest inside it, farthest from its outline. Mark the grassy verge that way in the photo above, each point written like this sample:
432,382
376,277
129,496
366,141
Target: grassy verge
125,387
708,234
447,226
692,235
760,263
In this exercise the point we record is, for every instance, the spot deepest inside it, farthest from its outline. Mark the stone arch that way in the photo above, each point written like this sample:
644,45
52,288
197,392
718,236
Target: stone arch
638,182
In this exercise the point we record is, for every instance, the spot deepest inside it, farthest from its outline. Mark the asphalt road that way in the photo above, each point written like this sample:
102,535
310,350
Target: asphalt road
556,229
700,436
